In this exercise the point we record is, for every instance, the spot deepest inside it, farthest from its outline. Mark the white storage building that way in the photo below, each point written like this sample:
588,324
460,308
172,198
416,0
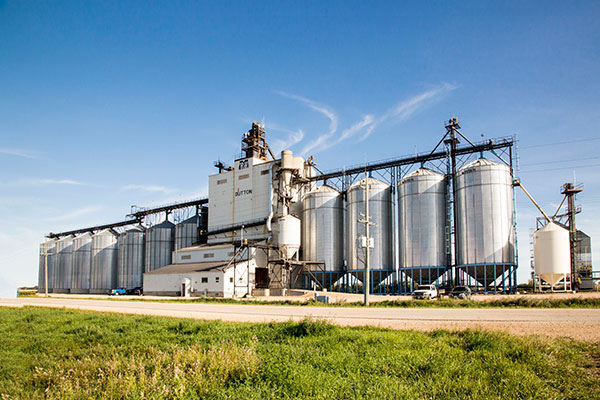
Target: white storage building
206,271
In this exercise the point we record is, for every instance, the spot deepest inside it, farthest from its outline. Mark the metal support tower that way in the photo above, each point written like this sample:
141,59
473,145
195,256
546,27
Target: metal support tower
452,128
254,143
570,190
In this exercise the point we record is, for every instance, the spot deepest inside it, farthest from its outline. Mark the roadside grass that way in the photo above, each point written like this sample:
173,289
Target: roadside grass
27,292
520,302
66,354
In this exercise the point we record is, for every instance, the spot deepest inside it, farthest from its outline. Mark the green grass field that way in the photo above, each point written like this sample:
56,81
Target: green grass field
62,354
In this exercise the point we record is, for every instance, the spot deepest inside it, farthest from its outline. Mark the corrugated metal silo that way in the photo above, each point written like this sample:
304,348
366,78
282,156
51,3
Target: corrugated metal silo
105,248
484,204
186,232
82,263
131,258
422,224
380,210
49,248
323,229
159,245
63,265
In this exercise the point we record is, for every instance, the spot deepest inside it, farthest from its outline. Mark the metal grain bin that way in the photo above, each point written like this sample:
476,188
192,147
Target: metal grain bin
484,206
186,232
82,263
132,247
323,227
552,253
159,245
48,248
380,210
63,265
105,248
422,225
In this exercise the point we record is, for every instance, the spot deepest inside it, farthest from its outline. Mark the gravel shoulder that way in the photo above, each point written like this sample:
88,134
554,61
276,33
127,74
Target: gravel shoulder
578,324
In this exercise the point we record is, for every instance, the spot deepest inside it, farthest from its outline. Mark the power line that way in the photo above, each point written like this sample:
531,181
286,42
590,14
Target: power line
558,143
561,168
561,161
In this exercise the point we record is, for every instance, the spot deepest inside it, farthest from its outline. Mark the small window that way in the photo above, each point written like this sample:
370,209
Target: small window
245,176
204,279
230,280
186,257
208,255
265,172
217,279
221,181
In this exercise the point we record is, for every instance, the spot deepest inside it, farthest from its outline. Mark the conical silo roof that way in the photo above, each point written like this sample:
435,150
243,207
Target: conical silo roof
164,225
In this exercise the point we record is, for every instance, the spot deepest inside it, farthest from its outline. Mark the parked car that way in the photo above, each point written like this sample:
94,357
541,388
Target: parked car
461,292
118,291
135,291
426,292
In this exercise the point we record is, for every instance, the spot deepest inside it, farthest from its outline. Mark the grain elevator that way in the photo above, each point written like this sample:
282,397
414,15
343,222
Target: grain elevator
274,223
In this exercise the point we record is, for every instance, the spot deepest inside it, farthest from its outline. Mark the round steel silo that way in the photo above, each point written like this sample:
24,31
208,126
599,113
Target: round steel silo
132,246
323,232
422,225
48,248
105,248
159,245
82,263
186,232
323,227
380,211
63,265
484,207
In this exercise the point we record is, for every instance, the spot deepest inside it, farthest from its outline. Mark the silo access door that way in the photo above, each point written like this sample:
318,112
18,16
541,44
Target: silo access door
262,278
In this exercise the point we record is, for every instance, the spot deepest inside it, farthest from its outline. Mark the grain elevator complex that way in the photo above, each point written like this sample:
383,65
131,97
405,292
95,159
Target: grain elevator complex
275,223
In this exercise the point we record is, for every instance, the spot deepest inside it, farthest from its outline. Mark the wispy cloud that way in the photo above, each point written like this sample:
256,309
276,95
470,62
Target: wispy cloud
369,122
57,182
322,109
406,108
328,140
45,182
326,111
149,188
293,138
75,213
19,153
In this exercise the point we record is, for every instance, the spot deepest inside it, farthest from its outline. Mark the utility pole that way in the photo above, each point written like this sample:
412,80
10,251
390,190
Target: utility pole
368,223
46,266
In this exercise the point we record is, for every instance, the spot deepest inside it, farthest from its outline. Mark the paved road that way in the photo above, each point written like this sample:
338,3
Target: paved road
581,324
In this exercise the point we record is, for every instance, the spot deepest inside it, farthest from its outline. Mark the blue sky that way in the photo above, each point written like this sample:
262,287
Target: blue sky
108,104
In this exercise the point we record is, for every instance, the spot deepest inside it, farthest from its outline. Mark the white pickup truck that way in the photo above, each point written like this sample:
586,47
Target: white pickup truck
426,292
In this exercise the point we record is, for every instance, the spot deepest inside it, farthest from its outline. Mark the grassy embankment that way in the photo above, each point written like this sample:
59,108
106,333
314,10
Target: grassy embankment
61,354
